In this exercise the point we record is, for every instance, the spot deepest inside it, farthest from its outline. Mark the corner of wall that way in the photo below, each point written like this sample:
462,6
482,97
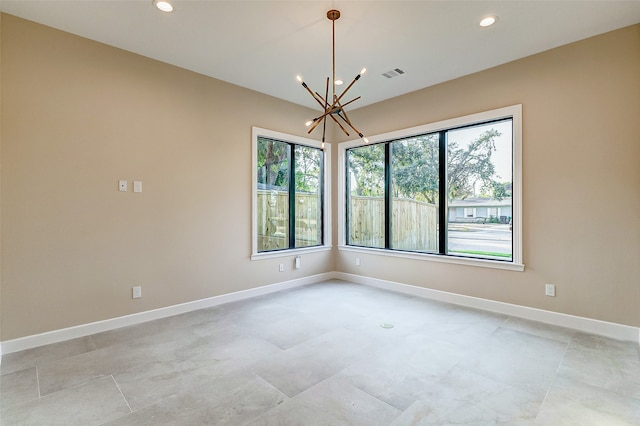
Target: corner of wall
1,184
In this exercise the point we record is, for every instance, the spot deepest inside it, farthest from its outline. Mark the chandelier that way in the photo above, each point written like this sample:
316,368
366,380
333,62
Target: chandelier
333,107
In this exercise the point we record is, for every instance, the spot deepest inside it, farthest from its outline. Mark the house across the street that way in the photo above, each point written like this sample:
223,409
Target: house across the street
480,210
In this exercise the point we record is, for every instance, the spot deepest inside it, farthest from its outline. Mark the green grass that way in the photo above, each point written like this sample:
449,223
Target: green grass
483,253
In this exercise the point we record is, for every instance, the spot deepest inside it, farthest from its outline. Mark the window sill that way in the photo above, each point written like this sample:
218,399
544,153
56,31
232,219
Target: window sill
483,263
289,252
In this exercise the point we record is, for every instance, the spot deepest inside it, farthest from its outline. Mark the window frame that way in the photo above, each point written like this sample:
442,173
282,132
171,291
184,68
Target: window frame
513,112
258,132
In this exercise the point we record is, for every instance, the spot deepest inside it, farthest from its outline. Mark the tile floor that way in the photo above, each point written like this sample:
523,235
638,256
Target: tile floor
317,355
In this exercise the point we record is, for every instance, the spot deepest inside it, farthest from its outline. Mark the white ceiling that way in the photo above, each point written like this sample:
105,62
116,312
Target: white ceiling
263,45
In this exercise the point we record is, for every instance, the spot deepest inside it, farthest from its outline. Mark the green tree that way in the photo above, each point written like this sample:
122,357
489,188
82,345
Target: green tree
500,190
467,166
414,165
415,171
273,162
308,161
366,169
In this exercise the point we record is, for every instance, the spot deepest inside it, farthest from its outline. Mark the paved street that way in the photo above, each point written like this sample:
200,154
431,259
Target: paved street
480,237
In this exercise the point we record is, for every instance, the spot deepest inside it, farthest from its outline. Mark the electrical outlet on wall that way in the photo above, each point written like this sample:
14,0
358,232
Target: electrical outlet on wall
136,292
550,290
281,267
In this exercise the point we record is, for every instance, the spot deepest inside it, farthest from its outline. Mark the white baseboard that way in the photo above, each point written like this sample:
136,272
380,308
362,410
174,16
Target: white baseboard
587,325
55,336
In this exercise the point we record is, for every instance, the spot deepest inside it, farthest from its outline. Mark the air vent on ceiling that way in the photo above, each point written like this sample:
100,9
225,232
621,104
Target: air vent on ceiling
393,73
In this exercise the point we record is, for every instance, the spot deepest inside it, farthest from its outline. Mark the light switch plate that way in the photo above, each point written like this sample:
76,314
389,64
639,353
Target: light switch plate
137,186
122,185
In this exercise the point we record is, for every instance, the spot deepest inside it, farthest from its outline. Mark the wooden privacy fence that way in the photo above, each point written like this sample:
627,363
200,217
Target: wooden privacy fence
414,224
273,219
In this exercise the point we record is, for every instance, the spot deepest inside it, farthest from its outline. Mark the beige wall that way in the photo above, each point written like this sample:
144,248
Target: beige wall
77,116
581,177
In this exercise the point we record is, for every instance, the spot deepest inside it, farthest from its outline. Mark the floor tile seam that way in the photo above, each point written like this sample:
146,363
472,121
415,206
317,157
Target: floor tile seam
93,344
215,326
555,377
604,344
597,387
115,382
401,410
538,335
9,369
287,398
75,356
144,360
76,385
38,382
543,338
161,400
277,388
348,383
48,396
508,384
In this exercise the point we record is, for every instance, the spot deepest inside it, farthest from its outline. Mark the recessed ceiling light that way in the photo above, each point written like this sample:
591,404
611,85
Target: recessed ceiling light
163,5
338,82
488,21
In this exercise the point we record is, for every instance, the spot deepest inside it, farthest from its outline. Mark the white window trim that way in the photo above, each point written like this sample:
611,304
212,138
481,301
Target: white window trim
326,216
514,112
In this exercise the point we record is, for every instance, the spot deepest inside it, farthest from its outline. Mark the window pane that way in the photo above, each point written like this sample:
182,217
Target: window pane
414,188
273,194
308,196
366,217
479,182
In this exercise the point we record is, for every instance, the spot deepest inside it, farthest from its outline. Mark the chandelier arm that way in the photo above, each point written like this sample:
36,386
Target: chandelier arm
327,113
336,100
326,96
323,117
324,130
339,125
346,120
313,95
316,123
341,106
326,104
342,113
324,122
330,109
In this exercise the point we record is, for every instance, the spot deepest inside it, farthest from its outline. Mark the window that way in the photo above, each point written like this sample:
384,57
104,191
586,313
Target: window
448,189
288,192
